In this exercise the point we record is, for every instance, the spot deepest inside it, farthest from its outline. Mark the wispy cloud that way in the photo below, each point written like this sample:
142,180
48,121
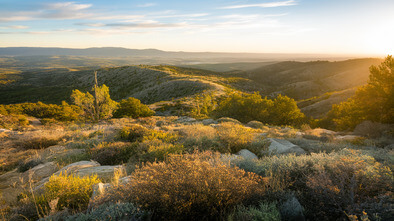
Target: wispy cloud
15,27
146,5
262,5
64,10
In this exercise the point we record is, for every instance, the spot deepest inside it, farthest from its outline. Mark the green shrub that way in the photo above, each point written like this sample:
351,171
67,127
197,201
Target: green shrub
192,187
132,107
248,107
264,211
112,153
71,191
133,133
159,150
234,137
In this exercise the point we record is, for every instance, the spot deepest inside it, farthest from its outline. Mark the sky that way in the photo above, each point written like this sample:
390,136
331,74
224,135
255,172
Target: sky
362,27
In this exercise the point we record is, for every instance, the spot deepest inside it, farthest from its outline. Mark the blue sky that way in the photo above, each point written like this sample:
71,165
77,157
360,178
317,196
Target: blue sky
280,26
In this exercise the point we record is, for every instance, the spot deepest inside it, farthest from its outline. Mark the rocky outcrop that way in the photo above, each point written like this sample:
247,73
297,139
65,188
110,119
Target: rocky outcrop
281,146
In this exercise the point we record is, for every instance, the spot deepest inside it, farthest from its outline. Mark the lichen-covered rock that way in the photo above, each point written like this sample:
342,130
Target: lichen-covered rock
281,146
247,154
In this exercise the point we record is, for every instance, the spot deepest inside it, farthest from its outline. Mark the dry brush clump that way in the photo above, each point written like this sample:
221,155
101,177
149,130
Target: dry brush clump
328,185
197,186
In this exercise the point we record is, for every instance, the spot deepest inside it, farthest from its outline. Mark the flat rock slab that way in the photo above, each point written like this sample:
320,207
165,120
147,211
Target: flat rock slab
247,154
281,146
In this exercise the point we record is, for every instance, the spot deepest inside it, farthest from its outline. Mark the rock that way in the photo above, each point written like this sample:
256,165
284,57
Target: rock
291,210
229,157
247,154
347,137
280,146
227,119
321,132
103,172
72,168
41,171
10,186
209,121
185,119
4,130
255,124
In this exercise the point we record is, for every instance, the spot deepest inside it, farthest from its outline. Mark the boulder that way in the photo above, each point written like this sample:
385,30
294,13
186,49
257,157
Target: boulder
227,119
281,146
256,124
103,172
209,121
247,154
72,168
291,210
185,119
40,171
347,138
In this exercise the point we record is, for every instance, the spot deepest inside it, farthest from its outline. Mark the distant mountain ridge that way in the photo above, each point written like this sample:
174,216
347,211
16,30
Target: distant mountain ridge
125,52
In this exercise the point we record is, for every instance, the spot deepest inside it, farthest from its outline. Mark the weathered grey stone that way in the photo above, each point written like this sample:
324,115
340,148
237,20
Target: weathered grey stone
291,210
227,119
209,121
185,119
247,154
72,168
281,146
347,137
41,171
255,124
103,172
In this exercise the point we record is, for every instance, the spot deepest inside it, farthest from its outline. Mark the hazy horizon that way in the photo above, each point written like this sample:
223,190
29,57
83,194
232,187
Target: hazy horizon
353,27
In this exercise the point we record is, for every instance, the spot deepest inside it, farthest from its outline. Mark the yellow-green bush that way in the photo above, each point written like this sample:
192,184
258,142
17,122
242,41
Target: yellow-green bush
192,187
132,107
234,137
72,192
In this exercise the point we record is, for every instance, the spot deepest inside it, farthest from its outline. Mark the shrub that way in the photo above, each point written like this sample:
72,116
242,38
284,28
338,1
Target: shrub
13,121
39,142
112,153
264,211
71,191
133,133
118,211
248,107
159,150
192,187
132,107
234,137
329,184
199,136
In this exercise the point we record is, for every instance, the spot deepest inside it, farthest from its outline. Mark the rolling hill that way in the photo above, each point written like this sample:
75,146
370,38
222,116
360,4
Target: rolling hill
315,85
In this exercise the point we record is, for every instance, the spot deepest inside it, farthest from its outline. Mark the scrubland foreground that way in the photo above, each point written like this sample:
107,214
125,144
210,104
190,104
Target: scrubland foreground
180,168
